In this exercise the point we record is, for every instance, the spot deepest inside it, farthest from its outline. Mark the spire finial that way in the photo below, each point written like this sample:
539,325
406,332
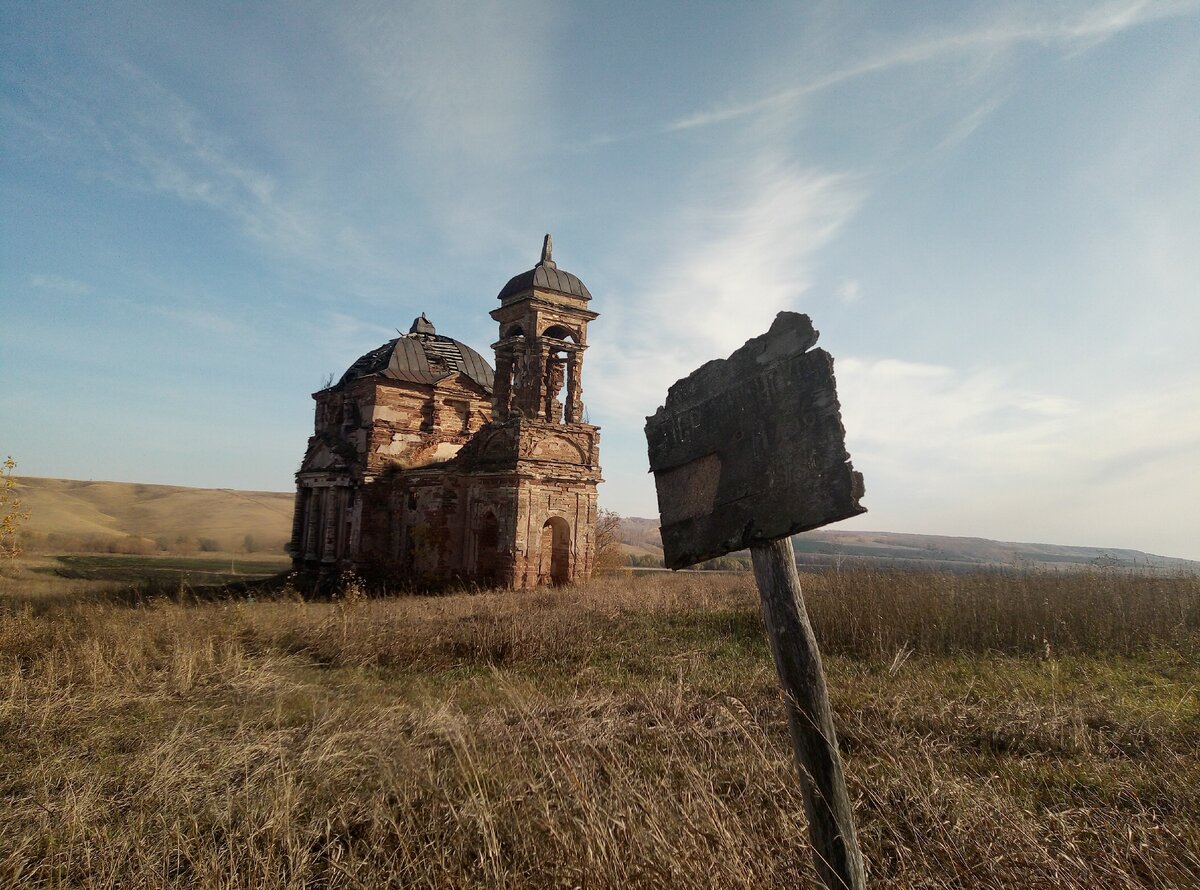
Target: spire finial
547,251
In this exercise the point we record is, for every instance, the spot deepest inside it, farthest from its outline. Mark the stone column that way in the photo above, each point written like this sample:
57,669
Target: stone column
529,398
502,389
312,535
553,386
329,532
574,400
355,525
341,534
299,510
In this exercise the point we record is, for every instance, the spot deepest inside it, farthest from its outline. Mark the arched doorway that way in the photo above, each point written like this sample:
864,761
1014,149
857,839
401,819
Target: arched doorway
487,550
555,565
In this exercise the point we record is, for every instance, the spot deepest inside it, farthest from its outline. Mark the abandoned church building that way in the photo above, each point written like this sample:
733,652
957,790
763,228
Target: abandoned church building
428,468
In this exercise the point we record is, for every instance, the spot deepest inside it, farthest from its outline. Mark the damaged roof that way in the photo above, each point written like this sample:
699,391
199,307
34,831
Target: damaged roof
422,356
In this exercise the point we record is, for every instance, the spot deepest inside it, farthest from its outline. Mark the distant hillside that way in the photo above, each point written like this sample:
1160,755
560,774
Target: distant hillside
935,552
71,515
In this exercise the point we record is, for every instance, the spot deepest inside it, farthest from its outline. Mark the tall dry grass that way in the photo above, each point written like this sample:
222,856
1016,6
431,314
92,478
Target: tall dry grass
872,613
999,731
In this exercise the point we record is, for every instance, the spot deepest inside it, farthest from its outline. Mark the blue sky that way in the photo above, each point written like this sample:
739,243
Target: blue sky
990,210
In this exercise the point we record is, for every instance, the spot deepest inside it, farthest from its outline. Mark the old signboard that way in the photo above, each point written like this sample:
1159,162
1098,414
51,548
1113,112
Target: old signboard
751,448
746,452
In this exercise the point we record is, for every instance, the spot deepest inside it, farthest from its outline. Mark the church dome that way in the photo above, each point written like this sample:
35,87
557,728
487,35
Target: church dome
422,356
545,276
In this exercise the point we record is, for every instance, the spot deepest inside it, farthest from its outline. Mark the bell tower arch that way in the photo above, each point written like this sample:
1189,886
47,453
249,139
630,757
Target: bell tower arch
543,319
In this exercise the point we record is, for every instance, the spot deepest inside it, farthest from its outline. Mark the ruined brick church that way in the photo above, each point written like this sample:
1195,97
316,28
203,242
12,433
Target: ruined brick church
428,468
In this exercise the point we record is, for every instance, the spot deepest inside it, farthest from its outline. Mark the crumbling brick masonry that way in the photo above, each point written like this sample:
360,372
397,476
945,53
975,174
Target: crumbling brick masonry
427,468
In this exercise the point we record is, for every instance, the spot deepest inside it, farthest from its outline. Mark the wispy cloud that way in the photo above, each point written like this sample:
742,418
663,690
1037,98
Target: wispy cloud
165,145
849,291
961,131
932,419
727,268
187,311
452,85
463,100
977,452
201,319
342,335
60,284
129,129
1077,28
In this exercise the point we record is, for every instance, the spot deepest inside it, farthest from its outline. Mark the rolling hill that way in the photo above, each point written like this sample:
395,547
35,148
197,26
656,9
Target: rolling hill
67,514
933,552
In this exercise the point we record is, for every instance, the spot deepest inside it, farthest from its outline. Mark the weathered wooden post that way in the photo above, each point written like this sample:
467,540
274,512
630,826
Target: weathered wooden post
746,452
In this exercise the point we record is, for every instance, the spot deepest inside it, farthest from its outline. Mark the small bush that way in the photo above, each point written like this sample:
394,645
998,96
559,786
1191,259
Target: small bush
132,545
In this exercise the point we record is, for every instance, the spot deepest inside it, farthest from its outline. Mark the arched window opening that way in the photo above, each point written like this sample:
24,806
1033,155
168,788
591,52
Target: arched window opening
558,332
555,556
513,330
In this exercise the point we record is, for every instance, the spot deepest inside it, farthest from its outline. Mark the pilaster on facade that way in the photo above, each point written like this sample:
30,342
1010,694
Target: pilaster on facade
427,467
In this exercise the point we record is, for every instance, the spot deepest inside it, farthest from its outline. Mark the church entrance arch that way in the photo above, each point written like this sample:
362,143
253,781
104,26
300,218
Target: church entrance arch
555,567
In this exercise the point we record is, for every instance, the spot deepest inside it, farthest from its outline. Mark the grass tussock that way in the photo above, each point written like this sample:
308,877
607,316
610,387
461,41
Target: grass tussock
998,731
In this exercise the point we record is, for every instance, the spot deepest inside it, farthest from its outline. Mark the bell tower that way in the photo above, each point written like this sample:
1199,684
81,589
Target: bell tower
543,319
536,465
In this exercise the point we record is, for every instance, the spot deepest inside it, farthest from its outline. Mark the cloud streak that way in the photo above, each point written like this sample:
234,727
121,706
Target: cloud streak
977,453
125,127
1083,30
60,284
451,86
732,264
174,152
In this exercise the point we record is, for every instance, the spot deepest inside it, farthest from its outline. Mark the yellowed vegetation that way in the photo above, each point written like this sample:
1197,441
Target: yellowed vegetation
12,514
999,731
72,515
610,554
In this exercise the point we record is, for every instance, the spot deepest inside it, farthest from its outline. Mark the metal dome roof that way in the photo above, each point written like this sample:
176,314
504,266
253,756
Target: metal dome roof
422,356
546,276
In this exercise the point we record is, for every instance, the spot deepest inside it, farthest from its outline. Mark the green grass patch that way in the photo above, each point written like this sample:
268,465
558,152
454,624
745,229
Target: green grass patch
157,569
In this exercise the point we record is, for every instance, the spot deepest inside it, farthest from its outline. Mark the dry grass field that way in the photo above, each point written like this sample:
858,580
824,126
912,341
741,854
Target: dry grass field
1019,730
72,514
